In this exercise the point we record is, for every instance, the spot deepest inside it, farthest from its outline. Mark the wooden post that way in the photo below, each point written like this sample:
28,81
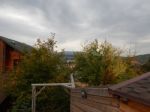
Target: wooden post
72,81
33,99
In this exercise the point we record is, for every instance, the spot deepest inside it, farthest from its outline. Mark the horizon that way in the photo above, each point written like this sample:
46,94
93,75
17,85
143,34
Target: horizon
123,23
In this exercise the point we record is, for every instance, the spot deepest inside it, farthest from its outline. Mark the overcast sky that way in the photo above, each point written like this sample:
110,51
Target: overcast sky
124,23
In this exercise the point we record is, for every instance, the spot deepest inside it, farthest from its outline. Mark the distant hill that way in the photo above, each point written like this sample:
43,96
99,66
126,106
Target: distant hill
143,58
69,55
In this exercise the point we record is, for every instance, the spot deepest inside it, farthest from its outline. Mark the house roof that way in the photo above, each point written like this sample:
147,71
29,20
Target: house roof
21,47
136,89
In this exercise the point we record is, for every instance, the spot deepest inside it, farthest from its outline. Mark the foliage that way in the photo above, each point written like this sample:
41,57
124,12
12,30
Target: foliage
133,69
42,65
101,64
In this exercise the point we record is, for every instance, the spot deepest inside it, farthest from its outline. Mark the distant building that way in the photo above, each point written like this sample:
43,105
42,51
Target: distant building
11,52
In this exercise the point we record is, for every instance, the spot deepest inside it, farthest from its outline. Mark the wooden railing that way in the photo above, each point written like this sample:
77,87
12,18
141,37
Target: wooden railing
93,100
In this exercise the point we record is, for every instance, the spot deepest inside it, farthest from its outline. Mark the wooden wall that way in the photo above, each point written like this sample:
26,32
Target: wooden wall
11,56
132,106
2,56
98,100
8,56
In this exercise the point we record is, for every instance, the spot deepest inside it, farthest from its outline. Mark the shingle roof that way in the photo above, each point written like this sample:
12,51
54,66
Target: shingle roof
21,47
136,89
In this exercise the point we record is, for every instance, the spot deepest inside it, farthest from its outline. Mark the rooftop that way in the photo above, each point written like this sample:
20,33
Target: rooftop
136,89
19,46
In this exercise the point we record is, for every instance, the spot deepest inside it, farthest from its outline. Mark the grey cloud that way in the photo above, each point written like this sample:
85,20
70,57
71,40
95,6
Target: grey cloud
120,21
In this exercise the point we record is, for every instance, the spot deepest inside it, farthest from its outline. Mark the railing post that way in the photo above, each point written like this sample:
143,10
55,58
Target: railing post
33,99
72,81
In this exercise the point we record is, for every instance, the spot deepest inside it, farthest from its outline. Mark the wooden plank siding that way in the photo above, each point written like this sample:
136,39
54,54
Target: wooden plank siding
133,107
2,56
98,100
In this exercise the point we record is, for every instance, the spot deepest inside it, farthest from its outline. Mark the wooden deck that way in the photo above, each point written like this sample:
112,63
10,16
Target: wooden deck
97,100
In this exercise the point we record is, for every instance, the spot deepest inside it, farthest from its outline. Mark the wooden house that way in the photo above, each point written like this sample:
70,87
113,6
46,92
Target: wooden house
11,52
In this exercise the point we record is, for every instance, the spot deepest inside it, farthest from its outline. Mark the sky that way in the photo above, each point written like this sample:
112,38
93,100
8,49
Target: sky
124,23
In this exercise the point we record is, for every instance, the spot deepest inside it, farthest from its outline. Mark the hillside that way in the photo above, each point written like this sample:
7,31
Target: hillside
143,58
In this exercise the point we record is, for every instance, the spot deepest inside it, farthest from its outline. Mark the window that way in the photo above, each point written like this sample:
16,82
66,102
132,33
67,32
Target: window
15,62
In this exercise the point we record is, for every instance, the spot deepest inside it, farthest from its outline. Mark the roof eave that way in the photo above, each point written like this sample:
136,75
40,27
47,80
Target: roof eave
132,98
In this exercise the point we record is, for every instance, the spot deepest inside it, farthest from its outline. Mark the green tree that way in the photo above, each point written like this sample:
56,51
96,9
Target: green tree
42,65
99,63
133,69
